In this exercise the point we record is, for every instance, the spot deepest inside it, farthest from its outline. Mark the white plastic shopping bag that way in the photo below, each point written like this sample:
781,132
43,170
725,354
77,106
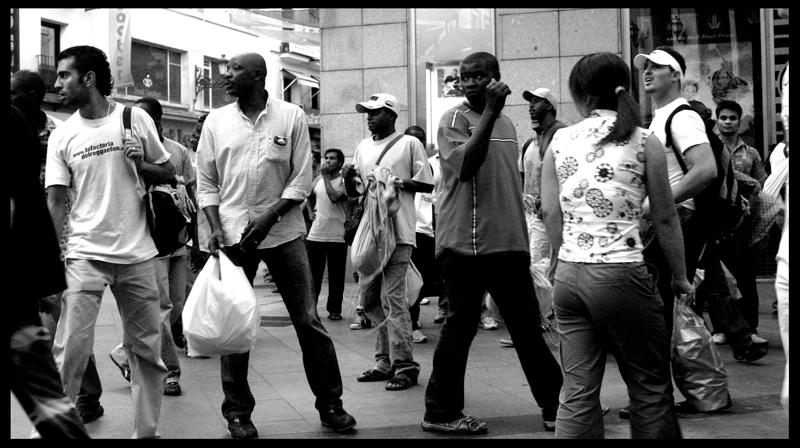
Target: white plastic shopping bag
221,314
413,283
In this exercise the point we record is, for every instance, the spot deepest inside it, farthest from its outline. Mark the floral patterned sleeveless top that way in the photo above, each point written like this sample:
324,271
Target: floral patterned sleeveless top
601,191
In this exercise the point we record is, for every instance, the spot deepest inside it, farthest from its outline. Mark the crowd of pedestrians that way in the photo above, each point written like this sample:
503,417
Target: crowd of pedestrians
600,233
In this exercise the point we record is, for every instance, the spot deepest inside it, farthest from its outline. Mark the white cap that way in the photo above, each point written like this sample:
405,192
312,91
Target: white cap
541,92
378,100
659,57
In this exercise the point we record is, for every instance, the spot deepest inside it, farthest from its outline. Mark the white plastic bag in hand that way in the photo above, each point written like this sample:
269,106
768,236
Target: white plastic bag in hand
221,314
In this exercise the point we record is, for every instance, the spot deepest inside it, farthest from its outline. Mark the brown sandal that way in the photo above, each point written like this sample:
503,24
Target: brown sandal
400,382
372,375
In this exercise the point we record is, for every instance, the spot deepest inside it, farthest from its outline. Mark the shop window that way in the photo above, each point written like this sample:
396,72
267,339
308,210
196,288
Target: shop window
722,49
214,95
443,38
300,88
156,72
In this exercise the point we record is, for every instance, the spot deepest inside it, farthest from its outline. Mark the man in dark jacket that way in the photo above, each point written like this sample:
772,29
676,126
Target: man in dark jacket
34,378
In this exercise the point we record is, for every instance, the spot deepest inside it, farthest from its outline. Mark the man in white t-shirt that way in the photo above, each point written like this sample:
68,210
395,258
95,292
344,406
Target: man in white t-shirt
109,244
662,72
408,163
325,241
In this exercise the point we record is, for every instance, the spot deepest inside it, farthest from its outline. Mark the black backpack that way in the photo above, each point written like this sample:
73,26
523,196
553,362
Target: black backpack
165,220
724,203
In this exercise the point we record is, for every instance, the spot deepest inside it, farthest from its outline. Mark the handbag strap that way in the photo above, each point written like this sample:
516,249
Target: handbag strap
127,134
386,149
377,163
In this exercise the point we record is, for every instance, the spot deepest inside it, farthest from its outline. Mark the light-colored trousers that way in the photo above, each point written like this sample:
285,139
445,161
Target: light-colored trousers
134,288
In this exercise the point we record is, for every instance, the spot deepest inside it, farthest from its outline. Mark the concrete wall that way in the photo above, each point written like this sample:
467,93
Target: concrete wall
366,51
539,47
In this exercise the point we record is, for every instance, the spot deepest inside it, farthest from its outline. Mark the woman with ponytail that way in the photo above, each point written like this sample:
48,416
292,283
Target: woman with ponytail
595,177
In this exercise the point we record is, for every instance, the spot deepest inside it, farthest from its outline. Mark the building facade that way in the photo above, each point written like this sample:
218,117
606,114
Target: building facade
731,54
413,53
177,56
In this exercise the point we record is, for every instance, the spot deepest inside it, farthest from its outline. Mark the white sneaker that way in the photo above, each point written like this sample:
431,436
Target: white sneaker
507,342
719,338
418,337
424,301
758,339
489,323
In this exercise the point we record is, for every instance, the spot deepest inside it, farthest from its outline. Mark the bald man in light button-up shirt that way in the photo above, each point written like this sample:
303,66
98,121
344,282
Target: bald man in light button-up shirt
253,171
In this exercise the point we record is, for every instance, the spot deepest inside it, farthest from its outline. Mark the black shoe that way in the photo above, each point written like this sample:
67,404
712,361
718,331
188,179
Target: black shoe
172,388
337,419
242,428
625,413
749,351
685,407
91,414
372,375
549,419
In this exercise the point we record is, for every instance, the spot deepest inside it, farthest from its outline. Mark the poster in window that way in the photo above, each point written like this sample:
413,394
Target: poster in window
444,93
718,48
448,81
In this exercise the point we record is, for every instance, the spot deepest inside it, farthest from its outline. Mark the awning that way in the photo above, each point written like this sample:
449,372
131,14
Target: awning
303,80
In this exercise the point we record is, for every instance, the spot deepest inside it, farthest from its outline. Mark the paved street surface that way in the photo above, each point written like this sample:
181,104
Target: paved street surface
496,387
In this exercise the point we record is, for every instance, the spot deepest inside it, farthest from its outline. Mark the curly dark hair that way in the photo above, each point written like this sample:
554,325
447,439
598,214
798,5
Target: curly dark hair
90,59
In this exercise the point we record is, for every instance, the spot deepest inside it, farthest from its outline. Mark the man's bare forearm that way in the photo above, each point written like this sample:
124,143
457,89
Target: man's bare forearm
57,197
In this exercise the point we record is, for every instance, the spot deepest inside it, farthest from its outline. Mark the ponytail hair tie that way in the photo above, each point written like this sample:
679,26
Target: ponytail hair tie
619,90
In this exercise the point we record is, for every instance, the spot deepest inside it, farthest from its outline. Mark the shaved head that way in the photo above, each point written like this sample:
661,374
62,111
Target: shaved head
252,61
247,73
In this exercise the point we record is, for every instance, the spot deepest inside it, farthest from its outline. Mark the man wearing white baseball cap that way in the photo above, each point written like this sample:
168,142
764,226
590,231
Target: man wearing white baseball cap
661,56
384,295
378,101
542,110
662,72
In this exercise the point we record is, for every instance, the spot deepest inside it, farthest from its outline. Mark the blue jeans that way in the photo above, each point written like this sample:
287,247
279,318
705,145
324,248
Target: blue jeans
507,278
385,303
602,308
335,255
288,264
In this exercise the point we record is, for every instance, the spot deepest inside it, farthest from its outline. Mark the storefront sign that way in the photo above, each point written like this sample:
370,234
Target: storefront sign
312,52
120,45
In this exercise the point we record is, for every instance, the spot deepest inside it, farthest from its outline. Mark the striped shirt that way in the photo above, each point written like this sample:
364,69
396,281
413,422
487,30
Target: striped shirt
245,168
482,215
